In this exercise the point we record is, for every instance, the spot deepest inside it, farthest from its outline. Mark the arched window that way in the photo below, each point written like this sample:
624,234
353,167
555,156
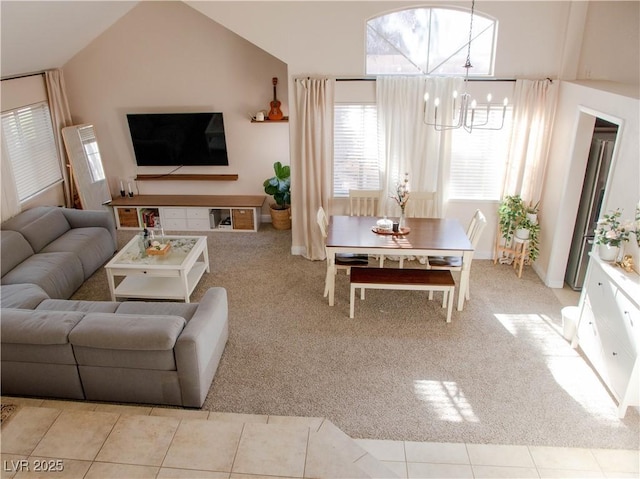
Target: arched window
430,41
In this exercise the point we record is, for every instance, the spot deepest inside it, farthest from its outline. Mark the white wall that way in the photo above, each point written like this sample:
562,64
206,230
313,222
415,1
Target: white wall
166,57
567,164
610,48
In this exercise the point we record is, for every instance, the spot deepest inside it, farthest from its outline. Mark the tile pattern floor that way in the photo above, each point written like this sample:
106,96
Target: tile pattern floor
89,440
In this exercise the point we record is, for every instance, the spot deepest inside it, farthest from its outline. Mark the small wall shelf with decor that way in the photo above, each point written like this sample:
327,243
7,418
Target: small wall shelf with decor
284,119
189,212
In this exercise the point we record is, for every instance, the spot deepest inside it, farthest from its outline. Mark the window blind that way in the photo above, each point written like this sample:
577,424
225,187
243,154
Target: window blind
355,161
31,148
478,161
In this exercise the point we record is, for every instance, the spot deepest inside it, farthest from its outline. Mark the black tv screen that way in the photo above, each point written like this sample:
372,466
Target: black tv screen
178,139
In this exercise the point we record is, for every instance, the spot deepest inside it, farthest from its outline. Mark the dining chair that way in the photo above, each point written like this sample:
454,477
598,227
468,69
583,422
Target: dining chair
421,204
344,260
454,263
364,202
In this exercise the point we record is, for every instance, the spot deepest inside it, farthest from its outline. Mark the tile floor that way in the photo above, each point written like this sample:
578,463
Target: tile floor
89,440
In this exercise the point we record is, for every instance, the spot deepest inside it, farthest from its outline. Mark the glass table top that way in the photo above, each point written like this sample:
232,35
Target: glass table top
134,252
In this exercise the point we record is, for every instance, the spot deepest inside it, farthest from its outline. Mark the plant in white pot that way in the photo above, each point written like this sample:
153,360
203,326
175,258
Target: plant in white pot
279,186
521,221
610,233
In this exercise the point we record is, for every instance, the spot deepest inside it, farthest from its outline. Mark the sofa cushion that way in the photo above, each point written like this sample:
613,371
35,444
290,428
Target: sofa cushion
25,296
82,306
14,249
93,245
40,225
127,341
38,336
58,274
184,310
128,331
24,326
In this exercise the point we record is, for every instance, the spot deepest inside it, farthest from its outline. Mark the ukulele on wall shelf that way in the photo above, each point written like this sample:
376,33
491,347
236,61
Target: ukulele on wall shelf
275,113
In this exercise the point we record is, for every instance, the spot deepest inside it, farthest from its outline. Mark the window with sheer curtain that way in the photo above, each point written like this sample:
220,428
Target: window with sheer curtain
355,144
477,160
29,145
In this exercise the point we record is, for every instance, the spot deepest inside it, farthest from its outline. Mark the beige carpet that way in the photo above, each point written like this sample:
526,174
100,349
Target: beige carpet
499,373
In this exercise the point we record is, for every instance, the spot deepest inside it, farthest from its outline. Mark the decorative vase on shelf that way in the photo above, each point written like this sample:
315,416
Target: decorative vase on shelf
607,252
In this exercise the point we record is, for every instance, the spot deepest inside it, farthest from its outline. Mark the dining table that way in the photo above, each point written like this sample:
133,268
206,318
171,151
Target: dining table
419,237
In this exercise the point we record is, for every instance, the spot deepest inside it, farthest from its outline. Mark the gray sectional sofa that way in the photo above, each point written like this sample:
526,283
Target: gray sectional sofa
134,351
55,248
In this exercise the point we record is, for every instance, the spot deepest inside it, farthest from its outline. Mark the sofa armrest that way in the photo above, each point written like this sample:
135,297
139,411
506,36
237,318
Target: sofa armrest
199,348
92,218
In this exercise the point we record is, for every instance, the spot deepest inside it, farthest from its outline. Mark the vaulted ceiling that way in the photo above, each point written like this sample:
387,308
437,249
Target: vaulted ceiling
40,35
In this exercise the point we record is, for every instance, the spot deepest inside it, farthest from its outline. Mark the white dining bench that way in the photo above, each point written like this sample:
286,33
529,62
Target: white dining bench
402,279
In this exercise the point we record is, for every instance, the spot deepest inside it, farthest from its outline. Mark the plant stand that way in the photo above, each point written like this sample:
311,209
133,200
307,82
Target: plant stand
520,254
515,252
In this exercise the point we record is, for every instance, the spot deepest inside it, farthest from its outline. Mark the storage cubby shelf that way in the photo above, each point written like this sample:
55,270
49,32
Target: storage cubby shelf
190,212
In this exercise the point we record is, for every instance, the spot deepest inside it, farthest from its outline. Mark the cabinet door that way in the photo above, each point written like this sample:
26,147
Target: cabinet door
630,314
589,337
175,224
196,224
172,213
198,213
618,361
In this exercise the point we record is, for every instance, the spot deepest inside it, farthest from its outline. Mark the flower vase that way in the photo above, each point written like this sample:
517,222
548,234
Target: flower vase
401,221
607,252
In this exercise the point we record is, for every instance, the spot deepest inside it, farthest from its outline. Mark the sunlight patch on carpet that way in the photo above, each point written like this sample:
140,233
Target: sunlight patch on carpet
568,369
446,399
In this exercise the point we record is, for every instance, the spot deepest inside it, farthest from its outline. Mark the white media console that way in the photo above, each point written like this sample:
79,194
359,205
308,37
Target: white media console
189,212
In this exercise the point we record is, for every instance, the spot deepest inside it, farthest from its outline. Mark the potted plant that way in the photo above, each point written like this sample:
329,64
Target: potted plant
279,186
510,213
521,221
610,233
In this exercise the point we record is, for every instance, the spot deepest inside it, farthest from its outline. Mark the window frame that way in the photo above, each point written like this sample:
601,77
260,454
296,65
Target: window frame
490,58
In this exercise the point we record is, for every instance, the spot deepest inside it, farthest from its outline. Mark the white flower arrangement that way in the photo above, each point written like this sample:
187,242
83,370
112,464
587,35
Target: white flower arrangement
402,193
613,231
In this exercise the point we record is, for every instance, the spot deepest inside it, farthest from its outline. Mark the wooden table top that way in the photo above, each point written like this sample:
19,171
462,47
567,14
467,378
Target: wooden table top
444,234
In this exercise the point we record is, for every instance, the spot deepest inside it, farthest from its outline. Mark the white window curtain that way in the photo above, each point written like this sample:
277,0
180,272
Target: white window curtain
10,202
534,107
407,145
313,146
60,118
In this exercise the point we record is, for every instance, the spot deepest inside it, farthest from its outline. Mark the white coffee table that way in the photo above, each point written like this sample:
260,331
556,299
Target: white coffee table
171,276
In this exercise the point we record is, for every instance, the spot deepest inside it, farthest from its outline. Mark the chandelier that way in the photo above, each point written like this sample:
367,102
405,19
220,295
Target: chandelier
466,113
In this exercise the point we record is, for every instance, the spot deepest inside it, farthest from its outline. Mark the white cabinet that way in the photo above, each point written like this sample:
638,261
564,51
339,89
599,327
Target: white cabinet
609,329
185,219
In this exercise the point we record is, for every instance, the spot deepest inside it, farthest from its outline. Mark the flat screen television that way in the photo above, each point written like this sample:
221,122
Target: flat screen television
178,139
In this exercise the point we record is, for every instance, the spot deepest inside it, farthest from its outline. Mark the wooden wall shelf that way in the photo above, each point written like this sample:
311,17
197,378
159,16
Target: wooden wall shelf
232,177
266,120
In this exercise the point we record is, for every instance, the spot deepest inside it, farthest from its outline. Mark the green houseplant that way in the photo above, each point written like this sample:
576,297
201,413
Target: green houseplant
520,220
279,187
